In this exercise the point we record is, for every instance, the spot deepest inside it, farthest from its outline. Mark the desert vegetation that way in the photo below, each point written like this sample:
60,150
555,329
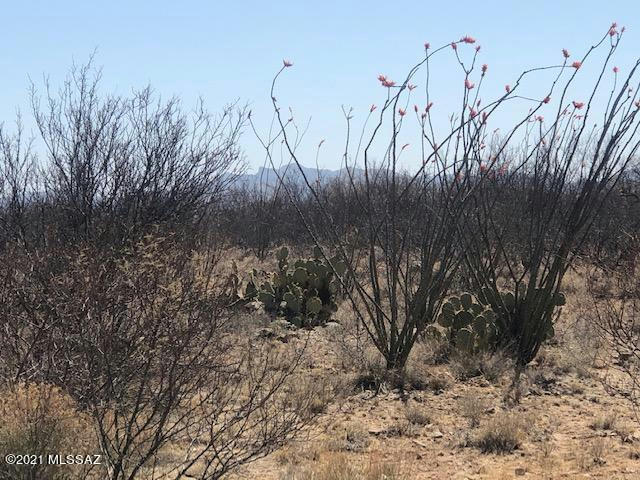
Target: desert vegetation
388,323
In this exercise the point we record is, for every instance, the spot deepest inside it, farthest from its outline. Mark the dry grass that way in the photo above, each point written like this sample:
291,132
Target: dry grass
343,467
402,428
417,415
473,408
492,367
353,438
502,434
39,419
592,454
607,421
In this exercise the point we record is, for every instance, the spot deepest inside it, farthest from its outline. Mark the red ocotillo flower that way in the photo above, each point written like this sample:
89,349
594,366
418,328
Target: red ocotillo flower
507,88
578,105
428,107
576,65
485,67
401,112
287,63
547,99
565,53
616,69
468,39
468,84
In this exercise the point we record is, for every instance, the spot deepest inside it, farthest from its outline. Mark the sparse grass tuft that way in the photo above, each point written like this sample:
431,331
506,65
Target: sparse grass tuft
417,415
491,367
503,434
402,428
473,408
341,467
605,422
354,439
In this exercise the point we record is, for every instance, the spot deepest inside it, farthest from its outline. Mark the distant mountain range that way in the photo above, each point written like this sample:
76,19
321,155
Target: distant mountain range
269,177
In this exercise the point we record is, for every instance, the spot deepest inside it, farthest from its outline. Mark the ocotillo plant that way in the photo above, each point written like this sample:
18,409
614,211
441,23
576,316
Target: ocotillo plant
544,192
413,257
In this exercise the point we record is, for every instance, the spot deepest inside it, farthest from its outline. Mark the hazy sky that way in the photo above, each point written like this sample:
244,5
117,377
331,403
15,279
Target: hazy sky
229,50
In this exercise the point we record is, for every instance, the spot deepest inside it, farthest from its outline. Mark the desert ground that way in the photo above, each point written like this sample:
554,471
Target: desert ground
568,424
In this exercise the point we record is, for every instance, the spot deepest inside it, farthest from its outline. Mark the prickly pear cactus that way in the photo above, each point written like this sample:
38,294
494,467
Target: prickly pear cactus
239,291
304,291
470,325
504,304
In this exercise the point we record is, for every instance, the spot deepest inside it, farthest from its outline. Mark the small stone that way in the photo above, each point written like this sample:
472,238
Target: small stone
436,434
519,471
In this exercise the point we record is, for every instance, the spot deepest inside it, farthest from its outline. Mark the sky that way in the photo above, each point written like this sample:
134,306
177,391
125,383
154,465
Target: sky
228,51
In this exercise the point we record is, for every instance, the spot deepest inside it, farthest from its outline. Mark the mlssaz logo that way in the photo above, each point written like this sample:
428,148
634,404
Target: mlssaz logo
57,459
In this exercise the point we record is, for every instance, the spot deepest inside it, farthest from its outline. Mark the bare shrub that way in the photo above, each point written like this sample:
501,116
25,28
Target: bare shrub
17,172
617,319
113,166
140,340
